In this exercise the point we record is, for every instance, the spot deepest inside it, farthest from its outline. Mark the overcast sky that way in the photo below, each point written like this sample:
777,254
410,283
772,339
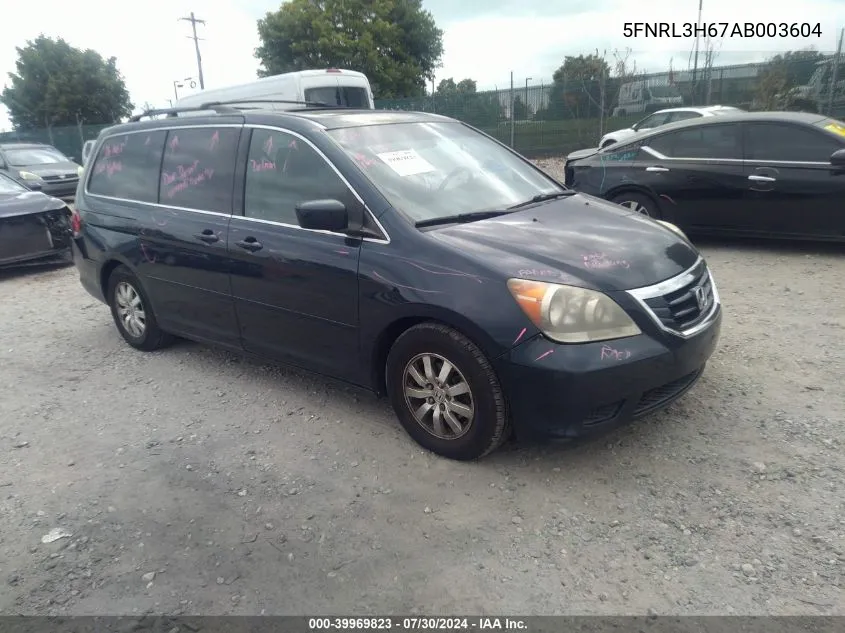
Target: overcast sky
483,39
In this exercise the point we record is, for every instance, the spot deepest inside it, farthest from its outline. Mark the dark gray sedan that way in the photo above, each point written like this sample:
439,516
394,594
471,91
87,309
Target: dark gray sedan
33,225
41,167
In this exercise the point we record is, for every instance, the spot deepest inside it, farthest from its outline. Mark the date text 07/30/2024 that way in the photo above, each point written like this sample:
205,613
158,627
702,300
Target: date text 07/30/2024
721,29
416,623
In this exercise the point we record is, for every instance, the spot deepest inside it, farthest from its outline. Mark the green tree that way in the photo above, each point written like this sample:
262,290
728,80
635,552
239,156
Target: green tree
777,81
396,43
576,87
520,109
55,83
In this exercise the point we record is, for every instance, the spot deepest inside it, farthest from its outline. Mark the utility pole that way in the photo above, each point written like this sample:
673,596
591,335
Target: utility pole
194,21
695,64
527,112
512,112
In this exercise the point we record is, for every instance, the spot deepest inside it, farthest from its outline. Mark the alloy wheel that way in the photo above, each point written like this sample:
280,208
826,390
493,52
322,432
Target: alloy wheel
130,309
438,396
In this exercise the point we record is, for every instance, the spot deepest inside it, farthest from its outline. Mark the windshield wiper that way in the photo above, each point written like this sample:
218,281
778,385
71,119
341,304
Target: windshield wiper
542,197
462,217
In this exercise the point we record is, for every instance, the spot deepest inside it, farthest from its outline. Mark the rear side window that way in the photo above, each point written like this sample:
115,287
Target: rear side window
198,169
704,141
339,95
127,166
783,142
283,171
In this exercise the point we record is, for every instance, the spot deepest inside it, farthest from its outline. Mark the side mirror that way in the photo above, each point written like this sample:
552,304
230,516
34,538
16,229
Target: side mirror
838,158
323,215
35,186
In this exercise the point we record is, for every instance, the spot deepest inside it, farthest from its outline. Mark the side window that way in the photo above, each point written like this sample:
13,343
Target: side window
655,120
283,171
127,166
704,141
773,141
198,168
682,116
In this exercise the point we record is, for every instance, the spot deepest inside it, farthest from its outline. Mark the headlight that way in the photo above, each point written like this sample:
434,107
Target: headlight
569,314
28,175
673,228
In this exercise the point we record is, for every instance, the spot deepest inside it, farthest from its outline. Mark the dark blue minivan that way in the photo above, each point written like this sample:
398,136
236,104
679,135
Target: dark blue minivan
407,253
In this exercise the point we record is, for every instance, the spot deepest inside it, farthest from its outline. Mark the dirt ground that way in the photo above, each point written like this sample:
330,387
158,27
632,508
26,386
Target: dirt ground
193,481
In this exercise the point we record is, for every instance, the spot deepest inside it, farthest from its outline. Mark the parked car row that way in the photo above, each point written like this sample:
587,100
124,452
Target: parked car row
763,174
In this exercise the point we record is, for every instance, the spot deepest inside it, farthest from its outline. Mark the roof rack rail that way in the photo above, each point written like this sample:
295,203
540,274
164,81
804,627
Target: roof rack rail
218,108
307,104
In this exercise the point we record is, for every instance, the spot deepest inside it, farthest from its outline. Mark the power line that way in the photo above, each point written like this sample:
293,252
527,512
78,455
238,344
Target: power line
194,21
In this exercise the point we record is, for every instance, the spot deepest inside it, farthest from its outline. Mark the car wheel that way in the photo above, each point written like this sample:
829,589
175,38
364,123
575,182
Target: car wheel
638,202
132,312
445,393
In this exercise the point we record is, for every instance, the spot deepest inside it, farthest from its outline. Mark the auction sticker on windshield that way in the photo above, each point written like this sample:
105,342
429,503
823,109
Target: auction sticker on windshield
407,162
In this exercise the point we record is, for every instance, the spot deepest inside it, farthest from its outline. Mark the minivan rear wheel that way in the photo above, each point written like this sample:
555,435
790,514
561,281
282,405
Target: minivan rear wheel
132,312
445,393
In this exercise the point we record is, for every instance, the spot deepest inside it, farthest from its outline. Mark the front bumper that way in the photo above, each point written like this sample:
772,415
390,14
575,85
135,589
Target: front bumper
64,189
570,391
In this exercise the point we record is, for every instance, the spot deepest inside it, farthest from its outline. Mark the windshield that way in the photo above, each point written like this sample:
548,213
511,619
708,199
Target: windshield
662,92
433,170
339,95
34,156
7,185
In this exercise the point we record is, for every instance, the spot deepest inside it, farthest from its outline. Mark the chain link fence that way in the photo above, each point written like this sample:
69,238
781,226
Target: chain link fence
574,112
555,118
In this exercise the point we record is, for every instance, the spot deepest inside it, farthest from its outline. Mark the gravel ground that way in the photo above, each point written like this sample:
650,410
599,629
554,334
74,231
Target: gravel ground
193,481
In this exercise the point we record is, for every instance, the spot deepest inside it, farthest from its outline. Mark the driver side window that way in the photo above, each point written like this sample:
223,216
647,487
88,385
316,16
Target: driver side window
283,171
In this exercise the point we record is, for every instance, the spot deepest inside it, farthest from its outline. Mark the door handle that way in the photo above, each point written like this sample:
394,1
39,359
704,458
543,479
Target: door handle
657,169
250,244
756,178
208,236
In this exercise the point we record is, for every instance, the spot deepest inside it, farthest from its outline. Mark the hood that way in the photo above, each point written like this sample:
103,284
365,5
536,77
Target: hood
64,168
581,153
579,240
27,202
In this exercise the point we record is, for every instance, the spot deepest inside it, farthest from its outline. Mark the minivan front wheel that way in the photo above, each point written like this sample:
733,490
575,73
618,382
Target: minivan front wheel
445,393
132,313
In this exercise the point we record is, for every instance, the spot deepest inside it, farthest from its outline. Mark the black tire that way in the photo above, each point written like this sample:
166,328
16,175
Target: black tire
152,336
644,204
488,427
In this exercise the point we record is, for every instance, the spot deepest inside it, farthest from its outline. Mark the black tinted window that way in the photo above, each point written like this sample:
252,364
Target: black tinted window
128,166
772,141
198,168
704,141
282,172
339,95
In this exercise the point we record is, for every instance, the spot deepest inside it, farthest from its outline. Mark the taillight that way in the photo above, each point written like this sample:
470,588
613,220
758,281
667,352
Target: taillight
75,222
333,70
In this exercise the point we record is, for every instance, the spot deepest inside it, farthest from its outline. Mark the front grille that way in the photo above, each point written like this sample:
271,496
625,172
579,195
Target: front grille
659,396
67,178
687,306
